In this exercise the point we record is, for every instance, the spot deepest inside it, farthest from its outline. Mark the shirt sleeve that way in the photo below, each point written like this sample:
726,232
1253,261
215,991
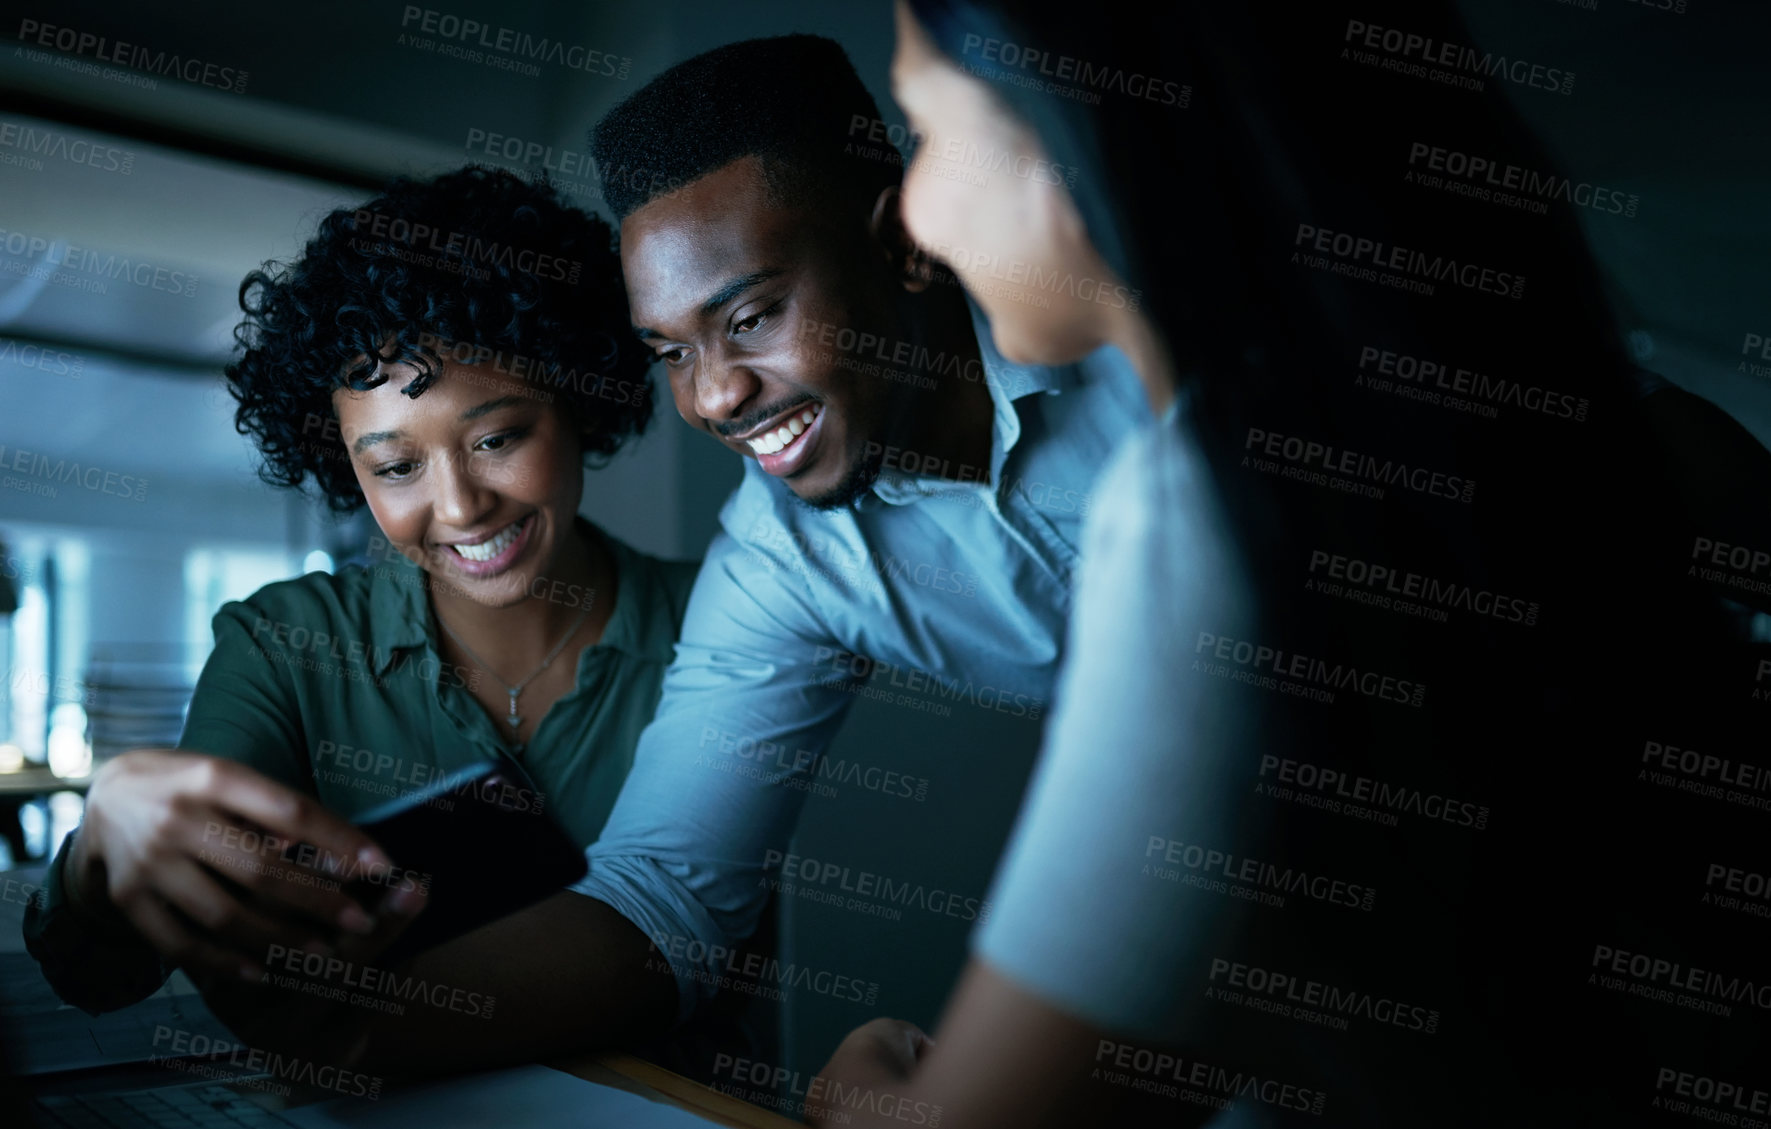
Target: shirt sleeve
1084,912
705,816
245,706
244,709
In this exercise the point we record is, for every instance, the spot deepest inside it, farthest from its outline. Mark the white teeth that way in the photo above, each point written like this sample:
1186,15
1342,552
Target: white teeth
782,437
486,550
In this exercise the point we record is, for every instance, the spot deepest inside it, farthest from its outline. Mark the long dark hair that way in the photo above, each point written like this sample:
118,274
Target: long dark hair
1214,143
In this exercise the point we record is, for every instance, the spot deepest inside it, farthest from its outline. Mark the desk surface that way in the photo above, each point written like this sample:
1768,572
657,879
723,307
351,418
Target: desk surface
36,780
638,1076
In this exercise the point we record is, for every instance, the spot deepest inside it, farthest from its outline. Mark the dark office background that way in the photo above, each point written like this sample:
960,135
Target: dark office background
114,594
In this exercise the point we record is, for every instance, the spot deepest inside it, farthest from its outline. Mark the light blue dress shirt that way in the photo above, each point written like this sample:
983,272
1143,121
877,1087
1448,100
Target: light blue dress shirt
965,584
1085,909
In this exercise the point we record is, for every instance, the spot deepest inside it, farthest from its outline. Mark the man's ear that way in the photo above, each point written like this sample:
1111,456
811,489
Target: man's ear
913,267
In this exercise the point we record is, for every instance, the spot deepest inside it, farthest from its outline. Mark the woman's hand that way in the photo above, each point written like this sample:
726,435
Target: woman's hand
213,863
878,1055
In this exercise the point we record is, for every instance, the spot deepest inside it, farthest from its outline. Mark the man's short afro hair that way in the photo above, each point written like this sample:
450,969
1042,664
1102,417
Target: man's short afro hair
795,101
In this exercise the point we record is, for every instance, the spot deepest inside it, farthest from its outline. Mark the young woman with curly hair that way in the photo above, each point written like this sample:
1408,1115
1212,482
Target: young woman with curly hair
451,355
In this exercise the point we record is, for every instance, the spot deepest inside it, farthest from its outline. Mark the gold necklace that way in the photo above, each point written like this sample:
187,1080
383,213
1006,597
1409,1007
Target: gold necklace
514,719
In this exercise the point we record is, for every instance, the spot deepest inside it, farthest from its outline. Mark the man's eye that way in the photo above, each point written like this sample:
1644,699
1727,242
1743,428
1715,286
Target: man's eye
394,470
749,324
672,357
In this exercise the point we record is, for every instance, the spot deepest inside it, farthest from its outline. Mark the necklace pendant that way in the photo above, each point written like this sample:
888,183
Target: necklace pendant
513,719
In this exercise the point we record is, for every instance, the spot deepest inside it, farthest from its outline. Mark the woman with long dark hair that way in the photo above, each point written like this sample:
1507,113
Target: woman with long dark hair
1342,807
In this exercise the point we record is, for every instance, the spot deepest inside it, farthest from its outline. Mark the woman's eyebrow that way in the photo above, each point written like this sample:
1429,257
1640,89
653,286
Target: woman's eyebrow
370,438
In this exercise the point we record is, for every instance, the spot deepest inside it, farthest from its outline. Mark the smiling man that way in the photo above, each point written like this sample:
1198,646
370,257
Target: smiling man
909,495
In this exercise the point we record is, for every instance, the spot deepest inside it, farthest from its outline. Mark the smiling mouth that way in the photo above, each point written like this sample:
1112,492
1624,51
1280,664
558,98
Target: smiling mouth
490,548
787,434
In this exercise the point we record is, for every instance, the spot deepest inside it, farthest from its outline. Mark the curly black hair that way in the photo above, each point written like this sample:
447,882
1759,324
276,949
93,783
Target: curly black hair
476,264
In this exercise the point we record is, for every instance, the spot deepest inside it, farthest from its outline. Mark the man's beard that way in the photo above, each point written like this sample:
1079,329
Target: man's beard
855,483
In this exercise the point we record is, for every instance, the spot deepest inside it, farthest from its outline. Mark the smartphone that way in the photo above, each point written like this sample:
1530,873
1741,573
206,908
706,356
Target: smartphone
482,845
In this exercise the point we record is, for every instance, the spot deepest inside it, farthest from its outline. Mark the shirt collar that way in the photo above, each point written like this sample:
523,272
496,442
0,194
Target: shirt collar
399,615
400,619
1008,383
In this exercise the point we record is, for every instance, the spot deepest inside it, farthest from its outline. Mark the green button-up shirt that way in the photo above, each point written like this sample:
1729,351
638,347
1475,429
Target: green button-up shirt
334,685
